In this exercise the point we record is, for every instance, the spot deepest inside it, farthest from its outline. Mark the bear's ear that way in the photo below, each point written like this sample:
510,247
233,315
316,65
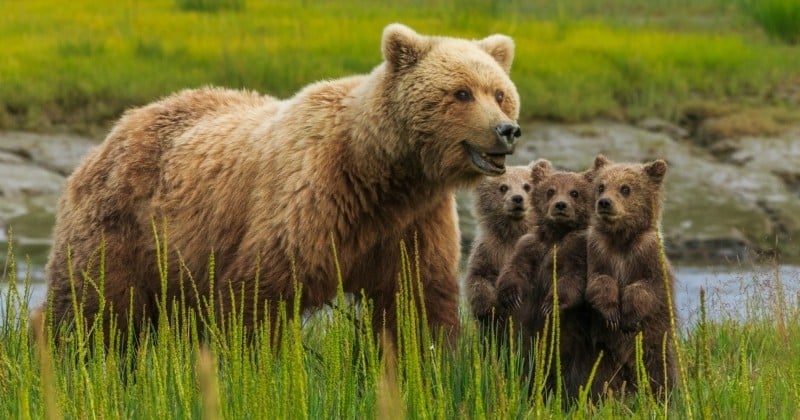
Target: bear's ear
600,161
541,168
501,48
589,175
656,170
402,47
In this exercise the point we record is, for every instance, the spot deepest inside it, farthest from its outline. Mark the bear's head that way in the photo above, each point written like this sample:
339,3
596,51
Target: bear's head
504,198
628,195
453,101
562,201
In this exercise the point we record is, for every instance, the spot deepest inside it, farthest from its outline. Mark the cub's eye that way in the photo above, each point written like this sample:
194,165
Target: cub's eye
463,95
601,188
526,187
499,96
551,192
573,193
625,190
503,188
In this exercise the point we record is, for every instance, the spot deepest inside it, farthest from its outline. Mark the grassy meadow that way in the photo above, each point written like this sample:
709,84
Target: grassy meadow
330,365
78,65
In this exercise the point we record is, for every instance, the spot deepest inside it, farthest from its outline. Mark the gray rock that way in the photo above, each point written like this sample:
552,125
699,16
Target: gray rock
658,125
60,153
32,174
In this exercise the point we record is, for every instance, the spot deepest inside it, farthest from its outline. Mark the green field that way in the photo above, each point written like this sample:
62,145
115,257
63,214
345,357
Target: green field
79,64
331,366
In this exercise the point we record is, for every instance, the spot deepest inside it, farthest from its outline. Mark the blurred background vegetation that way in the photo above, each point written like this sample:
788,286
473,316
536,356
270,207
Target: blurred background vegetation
77,65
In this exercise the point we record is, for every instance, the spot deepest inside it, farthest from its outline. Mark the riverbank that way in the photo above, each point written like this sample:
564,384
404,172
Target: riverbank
733,196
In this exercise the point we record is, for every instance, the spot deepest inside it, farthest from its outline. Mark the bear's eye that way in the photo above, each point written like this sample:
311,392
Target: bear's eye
499,96
601,188
625,190
526,187
503,188
463,95
573,193
551,192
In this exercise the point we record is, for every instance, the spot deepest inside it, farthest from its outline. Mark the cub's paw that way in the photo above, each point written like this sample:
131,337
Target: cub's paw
547,307
509,295
547,304
611,315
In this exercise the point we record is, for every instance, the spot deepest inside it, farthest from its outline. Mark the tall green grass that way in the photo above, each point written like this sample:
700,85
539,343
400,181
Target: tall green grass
331,365
779,18
82,64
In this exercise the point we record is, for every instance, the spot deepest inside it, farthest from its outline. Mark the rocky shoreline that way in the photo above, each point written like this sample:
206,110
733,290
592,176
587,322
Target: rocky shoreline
730,198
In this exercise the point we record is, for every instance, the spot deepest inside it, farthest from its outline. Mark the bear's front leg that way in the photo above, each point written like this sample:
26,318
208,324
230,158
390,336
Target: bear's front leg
435,239
570,294
602,292
638,302
480,284
519,271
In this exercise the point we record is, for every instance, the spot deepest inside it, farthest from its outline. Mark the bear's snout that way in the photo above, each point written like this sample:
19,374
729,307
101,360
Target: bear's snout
517,199
508,132
604,205
561,206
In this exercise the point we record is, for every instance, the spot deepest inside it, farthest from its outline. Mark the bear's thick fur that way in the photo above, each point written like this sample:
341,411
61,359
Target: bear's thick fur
501,206
562,208
270,186
625,284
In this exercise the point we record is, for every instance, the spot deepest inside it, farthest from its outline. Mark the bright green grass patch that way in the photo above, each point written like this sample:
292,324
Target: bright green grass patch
331,366
83,63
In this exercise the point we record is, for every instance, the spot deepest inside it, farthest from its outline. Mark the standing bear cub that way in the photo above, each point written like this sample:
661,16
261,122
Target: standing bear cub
562,207
502,209
626,284
270,186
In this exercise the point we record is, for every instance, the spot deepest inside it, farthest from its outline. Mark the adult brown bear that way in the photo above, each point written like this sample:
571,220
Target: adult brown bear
268,186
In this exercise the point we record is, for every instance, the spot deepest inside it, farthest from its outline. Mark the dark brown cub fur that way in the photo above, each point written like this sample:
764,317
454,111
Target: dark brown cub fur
626,284
562,205
502,209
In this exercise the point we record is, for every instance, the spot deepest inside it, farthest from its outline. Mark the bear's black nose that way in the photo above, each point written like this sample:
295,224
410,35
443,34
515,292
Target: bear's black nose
517,199
561,205
508,131
604,203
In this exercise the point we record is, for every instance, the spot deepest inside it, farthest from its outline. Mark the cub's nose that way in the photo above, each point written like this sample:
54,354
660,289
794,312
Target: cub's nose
604,204
508,132
517,199
561,206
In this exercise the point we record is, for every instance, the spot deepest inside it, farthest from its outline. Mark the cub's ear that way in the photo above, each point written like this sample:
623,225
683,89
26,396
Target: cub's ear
541,169
501,48
600,161
656,170
589,175
402,47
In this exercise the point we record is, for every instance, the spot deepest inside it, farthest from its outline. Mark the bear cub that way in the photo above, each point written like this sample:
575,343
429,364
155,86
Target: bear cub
562,207
626,285
501,205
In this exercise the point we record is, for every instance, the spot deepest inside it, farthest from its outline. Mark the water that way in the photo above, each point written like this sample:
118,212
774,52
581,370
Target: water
730,292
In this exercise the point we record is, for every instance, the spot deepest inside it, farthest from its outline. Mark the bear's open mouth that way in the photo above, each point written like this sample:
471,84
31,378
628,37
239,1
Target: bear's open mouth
487,162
